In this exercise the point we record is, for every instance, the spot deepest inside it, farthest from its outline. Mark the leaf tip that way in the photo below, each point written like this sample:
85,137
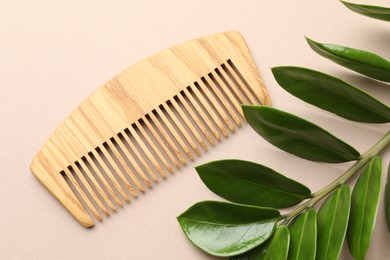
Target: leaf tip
200,167
276,71
310,41
313,44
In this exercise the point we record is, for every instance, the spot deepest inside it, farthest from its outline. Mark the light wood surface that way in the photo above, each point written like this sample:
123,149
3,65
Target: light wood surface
146,121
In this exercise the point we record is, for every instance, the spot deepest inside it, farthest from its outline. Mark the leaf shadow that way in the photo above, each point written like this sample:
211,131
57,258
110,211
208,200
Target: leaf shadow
376,88
363,81
381,38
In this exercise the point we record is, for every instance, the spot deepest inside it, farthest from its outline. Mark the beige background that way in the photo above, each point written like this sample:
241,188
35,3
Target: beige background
54,53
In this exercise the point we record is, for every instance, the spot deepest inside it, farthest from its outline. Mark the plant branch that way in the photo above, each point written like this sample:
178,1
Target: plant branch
364,159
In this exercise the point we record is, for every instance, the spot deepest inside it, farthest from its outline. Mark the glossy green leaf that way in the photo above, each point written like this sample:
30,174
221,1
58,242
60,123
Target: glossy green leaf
377,12
303,236
363,62
250,183
332,222
364,207
276,248
226,229
387,199
331,94
298,136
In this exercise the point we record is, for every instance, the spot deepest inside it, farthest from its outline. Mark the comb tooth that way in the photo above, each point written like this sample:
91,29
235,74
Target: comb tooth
210,111
244,81
118,171
215,104
189,124
241,99
103,181
81,192
70,177
196,119
181,129
71,128
130,132
201,113
229,91
236,79
95,184
167,138
123,163
129,172
216,88
93,194
88,187
74,126
110,176
138,154
154,147
174,133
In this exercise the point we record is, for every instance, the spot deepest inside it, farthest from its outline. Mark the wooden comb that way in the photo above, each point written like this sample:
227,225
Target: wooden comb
147,120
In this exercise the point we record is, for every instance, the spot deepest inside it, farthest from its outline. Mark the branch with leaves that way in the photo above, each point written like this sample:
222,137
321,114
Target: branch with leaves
251,226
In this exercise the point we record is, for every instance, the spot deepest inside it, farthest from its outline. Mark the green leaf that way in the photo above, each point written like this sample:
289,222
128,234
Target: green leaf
226,229
303,236
377,12
364,207
331,94
298,136
250,183
332,222
363,62
276,248
387,199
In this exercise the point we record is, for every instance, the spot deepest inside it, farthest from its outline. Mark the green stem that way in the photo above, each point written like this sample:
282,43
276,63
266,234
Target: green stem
319,195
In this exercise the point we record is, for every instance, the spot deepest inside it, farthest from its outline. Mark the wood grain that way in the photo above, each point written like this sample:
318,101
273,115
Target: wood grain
182,97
